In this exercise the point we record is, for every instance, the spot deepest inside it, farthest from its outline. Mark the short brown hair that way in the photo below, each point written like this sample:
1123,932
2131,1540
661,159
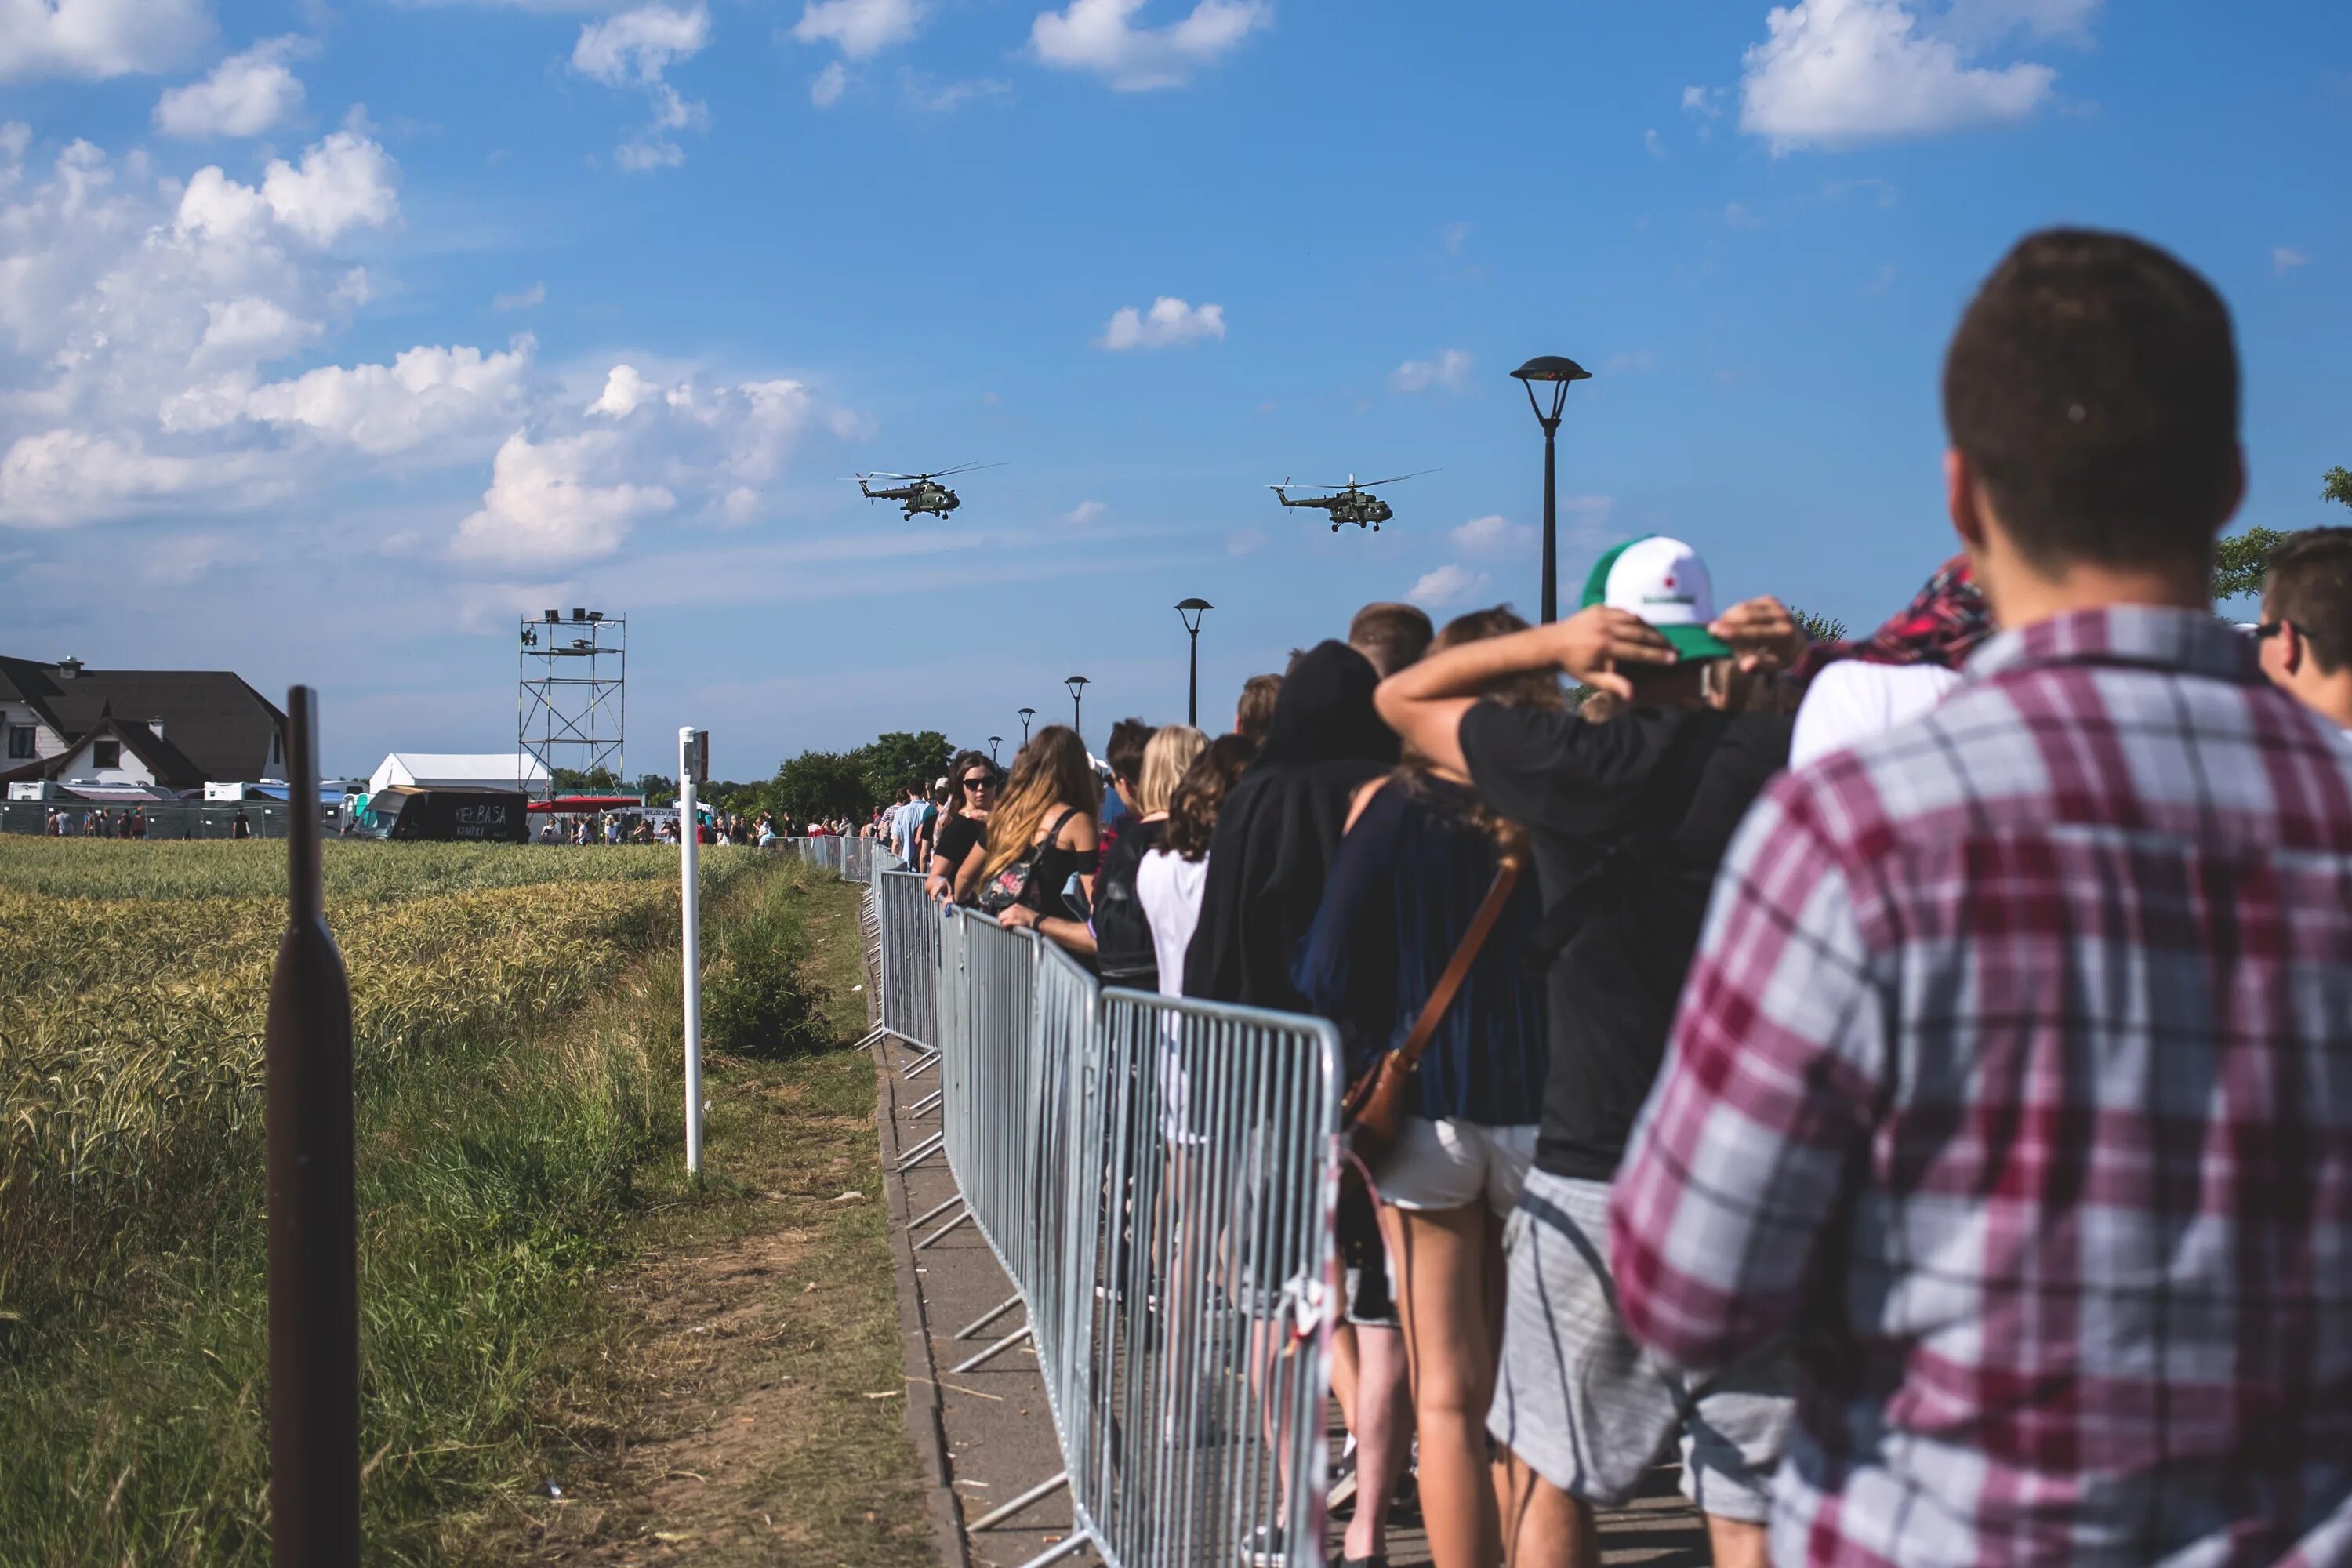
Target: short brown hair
1255,717
1390,636
1199,794
1124,750
2092,388
1533,689
2309,583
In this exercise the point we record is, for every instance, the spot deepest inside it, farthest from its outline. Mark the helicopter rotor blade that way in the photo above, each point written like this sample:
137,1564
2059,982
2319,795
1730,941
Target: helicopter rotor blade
965,468
1396,479
887,474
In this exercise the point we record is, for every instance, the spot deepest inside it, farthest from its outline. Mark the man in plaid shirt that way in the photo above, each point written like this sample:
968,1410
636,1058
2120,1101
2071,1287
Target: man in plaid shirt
2012,1083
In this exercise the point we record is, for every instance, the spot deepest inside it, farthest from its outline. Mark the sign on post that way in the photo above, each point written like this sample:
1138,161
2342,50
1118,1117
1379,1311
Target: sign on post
693,768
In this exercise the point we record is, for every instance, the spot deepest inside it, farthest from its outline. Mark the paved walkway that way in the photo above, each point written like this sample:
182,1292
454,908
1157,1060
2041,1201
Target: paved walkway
986,1432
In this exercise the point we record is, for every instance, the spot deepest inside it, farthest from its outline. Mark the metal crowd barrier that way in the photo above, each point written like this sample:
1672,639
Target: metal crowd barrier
1157,1178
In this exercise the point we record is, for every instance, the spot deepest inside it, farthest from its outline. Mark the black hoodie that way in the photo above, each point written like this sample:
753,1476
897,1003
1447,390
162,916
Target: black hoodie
1279,827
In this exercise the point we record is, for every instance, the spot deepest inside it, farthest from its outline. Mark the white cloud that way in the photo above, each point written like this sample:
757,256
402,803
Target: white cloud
862,28
426,393
1978,24
635,50
344,181
1493,534
1169,322
625,389
1655,145
546,502
55,477
830,84
250,330
1086,512
1840,71
529,299
2286,258
1449,371
1100,36
1448,585
244,95
94,39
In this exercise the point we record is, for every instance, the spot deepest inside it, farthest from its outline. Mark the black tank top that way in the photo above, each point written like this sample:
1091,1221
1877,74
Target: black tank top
1053,868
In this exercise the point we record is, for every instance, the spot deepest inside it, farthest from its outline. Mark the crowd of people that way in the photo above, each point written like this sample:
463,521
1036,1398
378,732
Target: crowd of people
1910,1078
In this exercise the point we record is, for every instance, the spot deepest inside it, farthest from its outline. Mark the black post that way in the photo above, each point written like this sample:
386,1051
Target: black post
1192,702
314,1321
1551,526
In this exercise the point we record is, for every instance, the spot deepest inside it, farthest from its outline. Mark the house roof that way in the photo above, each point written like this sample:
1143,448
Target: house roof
214,726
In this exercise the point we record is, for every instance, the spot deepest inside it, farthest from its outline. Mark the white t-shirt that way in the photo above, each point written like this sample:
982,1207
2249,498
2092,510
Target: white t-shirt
1169,886
1853,701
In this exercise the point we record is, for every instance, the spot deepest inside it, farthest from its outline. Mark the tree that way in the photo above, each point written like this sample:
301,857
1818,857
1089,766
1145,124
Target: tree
2336,485
2241,560
897,760
821,783
1818,629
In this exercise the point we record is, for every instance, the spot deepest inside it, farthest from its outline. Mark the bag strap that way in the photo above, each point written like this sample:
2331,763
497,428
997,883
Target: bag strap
1457,968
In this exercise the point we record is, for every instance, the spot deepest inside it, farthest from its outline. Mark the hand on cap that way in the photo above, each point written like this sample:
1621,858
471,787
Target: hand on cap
1593,645
1762,633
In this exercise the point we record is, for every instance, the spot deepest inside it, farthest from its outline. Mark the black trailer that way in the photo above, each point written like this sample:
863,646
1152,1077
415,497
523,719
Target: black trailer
490,815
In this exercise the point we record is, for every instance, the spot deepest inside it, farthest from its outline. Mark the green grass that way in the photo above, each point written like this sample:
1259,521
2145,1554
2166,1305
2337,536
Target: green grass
517,1022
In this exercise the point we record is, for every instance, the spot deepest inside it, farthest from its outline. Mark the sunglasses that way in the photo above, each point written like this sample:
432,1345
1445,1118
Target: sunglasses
977,782
2270,629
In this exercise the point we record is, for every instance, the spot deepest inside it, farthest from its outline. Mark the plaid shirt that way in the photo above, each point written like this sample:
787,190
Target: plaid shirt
2013,1084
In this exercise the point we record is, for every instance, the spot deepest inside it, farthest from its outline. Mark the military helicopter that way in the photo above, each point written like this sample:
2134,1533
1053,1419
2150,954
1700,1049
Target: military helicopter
1351,503
921,492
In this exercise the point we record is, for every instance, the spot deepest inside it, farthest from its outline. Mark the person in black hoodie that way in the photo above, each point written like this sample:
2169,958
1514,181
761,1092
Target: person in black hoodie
1267,860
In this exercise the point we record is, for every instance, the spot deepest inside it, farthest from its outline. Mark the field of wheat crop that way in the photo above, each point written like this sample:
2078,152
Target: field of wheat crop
514,1019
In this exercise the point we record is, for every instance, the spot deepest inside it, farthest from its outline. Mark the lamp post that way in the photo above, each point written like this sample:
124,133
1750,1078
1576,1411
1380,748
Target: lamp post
1026,714
1189,612
993,742
1558,373
1078,685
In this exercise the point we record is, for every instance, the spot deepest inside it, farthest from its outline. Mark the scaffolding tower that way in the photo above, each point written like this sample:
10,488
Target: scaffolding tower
571,693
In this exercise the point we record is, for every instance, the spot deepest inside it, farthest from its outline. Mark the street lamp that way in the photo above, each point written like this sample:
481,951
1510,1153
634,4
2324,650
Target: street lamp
1559,373
1026,714
1078,685
993,742
1189,612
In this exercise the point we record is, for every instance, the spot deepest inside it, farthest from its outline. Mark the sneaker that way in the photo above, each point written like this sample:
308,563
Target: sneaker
1262,1548
1343,1483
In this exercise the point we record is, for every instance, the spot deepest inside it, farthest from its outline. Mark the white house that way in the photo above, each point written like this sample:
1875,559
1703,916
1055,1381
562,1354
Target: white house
167,730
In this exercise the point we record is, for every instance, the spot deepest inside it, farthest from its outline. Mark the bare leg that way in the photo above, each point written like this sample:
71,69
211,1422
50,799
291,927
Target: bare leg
1543,1527
1442,1269
1734,1543
1344,1374
1383,1435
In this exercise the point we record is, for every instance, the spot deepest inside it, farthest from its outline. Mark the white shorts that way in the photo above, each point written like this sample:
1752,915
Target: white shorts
1447,1163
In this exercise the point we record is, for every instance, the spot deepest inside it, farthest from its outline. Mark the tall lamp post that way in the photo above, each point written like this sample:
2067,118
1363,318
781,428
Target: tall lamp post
1188,611
1026,714
1558,373
1078,685
994,742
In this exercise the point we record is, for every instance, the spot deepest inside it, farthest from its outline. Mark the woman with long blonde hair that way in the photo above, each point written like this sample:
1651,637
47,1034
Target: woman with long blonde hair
1041,833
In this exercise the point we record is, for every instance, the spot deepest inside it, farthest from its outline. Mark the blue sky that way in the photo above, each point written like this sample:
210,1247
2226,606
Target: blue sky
335,333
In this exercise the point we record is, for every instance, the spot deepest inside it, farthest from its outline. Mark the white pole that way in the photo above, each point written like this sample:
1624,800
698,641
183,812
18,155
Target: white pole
690,947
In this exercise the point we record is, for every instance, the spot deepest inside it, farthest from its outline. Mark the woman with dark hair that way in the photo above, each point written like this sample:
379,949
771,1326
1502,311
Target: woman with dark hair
972,784
1124,945
1169,882
1419,860
1041,834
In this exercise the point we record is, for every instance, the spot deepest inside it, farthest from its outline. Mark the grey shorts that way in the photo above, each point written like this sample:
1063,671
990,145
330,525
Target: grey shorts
1588,1408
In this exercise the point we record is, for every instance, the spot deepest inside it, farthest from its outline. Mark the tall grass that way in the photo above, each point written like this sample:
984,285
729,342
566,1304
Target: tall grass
515,1045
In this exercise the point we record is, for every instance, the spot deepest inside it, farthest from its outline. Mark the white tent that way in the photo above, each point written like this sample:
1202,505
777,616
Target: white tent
459,770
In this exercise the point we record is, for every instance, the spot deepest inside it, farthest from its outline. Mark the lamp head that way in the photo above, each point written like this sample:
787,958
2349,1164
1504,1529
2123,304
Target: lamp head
1076,683
1189,612
1556,372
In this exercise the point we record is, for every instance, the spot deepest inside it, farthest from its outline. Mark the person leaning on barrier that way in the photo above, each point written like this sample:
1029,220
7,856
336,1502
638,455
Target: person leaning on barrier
1041,836
1124,950
2307,627
2011,1077
963,835
1627,819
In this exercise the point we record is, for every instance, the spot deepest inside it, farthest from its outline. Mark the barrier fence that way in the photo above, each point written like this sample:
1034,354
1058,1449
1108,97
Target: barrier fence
1157,1179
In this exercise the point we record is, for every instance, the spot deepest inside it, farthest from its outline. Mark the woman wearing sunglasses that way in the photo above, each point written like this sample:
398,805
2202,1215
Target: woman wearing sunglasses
956,856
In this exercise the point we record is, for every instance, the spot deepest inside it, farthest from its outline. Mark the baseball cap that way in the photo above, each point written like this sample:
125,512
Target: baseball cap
1662,581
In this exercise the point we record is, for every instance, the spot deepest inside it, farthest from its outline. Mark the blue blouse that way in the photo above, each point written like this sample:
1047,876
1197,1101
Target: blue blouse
1408,878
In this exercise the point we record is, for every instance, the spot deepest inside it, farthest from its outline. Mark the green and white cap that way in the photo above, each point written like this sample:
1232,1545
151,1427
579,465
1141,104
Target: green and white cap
1662,581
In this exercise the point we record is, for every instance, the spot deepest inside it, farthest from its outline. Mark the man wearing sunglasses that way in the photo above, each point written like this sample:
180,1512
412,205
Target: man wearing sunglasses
2306,630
